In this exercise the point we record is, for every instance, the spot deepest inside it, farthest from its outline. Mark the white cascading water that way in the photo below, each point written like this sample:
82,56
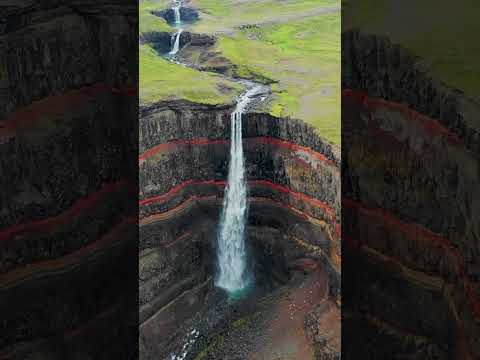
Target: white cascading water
232,254
176,10
176,5
176,42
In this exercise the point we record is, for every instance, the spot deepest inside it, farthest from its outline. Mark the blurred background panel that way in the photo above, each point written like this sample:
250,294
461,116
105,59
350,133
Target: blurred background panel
410,180
68,184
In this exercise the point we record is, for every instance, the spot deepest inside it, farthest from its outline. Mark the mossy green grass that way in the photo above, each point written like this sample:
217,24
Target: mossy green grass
147,22
161,79
225,15
303,57
293,43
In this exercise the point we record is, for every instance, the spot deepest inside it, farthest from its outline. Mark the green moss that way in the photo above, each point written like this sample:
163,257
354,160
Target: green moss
212,346
163,80
242,322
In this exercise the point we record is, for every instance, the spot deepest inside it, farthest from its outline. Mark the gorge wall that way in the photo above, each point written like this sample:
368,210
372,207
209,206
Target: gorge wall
68,144
294,207
410,177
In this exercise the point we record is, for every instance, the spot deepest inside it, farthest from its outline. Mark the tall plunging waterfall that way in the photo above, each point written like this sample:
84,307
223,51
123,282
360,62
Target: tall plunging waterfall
176,42
232,254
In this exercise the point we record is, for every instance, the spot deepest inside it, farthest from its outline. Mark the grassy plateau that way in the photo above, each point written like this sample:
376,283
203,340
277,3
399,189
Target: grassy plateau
293,43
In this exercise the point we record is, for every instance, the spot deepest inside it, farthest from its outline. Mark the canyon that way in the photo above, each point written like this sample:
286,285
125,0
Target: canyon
288,247
410,177
292,232
294,207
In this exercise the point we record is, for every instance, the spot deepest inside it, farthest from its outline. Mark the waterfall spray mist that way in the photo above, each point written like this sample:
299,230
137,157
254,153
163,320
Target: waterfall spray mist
232,253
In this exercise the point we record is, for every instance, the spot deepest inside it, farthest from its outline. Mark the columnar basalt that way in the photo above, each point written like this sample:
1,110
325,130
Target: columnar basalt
411,172
294,207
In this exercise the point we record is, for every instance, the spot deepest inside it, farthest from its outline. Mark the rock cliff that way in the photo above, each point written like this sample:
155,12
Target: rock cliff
294,207
410,174
68,142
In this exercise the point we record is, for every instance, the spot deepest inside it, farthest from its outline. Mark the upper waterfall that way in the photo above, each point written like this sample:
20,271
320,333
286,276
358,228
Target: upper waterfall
176,5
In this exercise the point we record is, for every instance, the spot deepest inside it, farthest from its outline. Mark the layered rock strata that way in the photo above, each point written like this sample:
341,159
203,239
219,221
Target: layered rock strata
410,177
68,135
294,208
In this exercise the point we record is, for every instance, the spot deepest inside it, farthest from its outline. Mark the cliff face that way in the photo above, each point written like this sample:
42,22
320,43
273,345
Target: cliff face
411,174
61,45
68,135
294,206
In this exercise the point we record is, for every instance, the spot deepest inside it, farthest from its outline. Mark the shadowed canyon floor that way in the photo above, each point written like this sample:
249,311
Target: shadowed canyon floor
276,327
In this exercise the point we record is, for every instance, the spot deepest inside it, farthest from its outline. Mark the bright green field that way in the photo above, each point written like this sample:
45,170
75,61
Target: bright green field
163,80
225,15
443,32
304,57
149,22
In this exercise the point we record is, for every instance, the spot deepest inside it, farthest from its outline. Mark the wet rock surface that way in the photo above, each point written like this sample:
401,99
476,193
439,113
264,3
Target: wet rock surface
188,15
162,41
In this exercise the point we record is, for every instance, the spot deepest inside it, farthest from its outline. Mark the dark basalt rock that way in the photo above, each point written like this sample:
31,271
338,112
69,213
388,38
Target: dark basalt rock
73,53
278,238
426,189
375,65
160,41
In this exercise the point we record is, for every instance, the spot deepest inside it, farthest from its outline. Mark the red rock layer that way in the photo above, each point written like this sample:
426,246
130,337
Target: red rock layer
431,126
80,206
56,105
170,146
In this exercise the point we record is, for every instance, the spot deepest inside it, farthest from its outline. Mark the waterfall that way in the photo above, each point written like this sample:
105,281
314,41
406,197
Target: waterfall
176,42
232,254
176,10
